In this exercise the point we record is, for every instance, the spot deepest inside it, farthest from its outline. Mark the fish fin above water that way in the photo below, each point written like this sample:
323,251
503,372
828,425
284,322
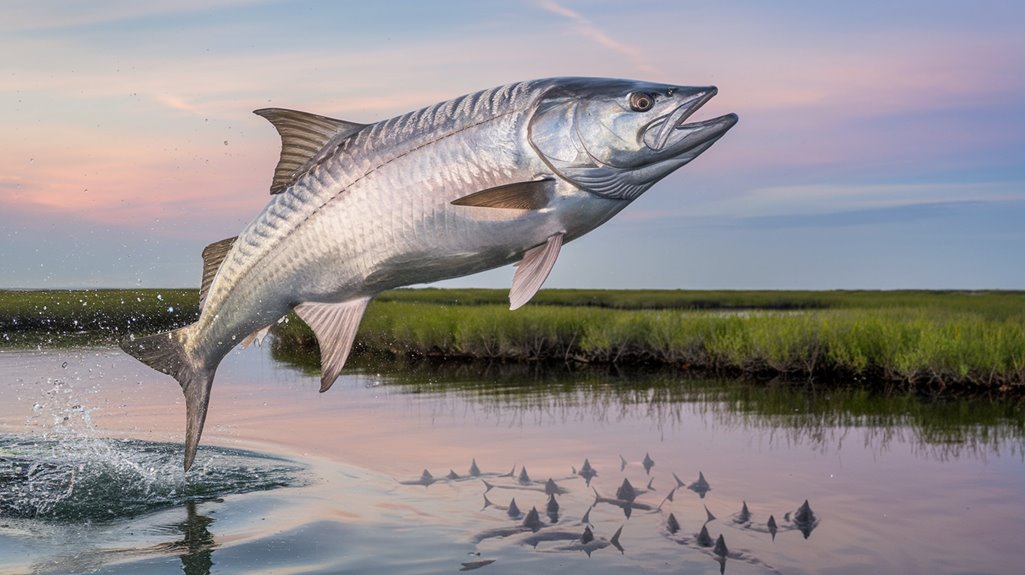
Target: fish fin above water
533,270
304,137
164,352
615,539
720,548
335,325
708,515
213,257
533,195
256,337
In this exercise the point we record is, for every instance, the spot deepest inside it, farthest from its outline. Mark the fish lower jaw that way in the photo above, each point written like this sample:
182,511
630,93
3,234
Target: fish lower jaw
686,137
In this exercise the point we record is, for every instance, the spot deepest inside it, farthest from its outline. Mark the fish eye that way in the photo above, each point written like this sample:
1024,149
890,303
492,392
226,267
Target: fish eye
641,102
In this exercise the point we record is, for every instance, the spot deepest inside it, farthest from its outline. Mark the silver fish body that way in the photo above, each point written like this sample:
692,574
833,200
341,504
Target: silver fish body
491,178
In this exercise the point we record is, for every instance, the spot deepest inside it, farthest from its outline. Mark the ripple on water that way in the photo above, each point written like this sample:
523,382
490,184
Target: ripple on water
94,480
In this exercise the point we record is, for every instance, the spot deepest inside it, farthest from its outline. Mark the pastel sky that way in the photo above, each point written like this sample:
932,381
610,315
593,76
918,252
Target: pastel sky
881,144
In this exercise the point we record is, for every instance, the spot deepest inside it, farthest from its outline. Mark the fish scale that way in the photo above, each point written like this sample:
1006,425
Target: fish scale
483,180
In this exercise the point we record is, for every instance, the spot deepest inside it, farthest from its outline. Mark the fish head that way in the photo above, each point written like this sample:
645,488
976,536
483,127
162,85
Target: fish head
617,138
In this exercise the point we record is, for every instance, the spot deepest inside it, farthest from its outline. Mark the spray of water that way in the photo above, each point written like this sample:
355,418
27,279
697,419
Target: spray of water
69,473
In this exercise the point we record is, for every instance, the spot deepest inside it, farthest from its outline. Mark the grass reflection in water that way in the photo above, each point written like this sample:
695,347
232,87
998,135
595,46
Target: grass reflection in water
940,426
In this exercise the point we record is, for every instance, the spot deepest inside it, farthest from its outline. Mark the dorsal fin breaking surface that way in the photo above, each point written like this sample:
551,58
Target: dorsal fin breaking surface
213,257
304,139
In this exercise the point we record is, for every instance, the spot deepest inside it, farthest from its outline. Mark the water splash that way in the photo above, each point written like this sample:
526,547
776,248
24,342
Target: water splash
67,473
90,479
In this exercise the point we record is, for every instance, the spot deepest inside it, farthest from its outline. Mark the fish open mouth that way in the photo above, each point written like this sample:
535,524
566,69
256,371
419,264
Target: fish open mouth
672,135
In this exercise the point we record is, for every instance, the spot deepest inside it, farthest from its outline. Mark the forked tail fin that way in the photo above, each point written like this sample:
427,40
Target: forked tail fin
164,353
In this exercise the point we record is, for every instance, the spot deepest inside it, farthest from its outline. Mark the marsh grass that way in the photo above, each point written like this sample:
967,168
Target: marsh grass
911,337
938,339
67,317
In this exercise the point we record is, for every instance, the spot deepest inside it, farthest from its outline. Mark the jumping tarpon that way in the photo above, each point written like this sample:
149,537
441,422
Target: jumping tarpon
492,178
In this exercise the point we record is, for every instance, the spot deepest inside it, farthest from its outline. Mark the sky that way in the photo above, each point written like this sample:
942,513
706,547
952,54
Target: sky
881,144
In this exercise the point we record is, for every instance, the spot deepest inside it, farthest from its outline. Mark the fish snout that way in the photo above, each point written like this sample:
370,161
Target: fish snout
672,134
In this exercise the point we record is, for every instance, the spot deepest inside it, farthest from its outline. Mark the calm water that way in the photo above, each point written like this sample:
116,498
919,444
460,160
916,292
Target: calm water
293,481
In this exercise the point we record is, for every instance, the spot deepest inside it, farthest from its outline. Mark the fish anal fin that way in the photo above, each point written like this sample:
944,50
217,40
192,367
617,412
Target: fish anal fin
213,257
256,337
335,325
533,195
304,139
533,270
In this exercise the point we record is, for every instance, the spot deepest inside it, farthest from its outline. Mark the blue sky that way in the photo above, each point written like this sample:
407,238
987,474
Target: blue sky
880,145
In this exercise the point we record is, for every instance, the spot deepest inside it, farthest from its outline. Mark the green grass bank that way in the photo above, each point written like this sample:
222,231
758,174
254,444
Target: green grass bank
69,317
967,339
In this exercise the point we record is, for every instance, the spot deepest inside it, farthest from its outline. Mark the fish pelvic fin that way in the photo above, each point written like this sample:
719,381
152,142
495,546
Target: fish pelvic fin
533,270
335,325
165,353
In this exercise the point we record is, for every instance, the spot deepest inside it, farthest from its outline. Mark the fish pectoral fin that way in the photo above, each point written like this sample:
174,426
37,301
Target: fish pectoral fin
256,337
213,257
335,325
303,137
533,270
533,195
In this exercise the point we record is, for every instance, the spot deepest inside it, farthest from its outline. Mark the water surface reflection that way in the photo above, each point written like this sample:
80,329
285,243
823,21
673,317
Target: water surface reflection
816,416
425,468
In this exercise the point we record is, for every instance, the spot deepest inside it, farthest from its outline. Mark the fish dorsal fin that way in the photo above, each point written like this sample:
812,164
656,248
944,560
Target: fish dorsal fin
304,137
672,524
335,326
533,195
533,270
213,257
532,521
